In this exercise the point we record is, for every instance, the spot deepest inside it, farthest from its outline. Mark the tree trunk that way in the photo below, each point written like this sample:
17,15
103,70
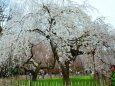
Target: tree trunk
95,76
65,73
34,76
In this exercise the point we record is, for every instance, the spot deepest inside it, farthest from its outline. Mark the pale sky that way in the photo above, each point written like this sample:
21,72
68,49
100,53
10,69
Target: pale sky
106,8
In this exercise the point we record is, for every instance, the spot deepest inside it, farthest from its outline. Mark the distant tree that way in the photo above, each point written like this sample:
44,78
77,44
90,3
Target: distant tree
39,60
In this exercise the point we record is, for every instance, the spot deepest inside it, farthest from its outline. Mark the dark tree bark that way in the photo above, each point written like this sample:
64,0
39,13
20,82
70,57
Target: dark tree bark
0,29
65,74
34,76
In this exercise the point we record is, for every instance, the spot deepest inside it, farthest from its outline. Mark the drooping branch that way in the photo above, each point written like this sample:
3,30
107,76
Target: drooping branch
39,31
104,62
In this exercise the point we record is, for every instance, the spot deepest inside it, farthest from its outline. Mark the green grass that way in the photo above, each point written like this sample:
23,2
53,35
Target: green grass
75,81
80,77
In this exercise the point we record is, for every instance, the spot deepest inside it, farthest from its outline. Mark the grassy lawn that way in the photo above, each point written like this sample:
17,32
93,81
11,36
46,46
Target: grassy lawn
75,81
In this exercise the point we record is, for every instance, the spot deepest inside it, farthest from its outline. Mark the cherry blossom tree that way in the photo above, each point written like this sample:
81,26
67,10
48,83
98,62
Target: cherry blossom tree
99,40
63,26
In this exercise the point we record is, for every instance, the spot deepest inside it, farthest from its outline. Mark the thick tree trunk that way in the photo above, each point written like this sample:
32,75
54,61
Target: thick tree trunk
65,74
34,76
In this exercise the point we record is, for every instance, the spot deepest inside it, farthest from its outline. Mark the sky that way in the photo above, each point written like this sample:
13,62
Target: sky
105,8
